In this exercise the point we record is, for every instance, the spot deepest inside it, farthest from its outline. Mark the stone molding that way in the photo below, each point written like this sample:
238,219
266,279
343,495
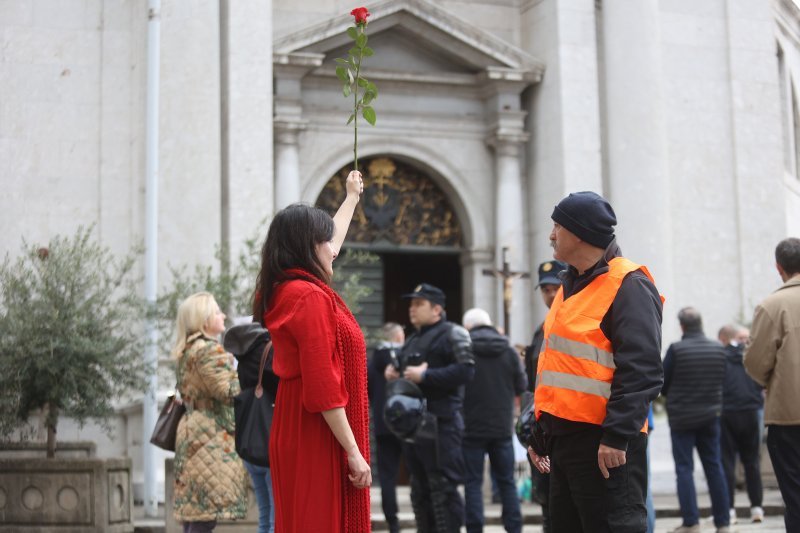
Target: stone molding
472,42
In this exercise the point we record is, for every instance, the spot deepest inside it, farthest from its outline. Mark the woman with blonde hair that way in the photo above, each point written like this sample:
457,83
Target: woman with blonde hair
210,479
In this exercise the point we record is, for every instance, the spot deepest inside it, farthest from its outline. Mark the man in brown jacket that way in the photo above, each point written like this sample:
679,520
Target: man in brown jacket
773,360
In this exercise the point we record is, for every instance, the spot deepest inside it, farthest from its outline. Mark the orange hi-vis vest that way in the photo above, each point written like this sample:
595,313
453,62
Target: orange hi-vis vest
576,363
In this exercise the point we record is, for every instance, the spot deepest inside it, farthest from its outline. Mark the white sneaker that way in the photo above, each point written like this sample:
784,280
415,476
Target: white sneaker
757,514
733,516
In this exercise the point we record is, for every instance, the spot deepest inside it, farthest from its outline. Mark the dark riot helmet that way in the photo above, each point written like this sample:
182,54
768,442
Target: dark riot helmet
404,409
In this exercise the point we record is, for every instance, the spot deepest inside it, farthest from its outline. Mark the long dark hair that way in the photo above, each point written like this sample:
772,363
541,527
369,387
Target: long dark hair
291,242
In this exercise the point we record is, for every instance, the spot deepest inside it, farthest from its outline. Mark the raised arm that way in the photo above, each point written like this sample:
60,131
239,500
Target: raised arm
341,221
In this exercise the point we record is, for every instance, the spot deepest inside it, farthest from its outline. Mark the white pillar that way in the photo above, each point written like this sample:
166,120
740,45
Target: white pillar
249,106
289,69
149,401
636,148
506,126
287,164
510,230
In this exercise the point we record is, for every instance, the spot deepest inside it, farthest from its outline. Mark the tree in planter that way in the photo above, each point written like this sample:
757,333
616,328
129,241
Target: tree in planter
70,334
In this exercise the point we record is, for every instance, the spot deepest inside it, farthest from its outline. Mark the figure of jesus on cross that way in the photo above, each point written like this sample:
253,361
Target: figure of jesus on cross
508,276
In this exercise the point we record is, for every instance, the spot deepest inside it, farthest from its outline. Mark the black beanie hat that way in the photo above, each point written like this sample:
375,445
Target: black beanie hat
589,216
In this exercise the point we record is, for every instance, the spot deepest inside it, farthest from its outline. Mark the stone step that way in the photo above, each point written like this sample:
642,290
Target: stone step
666,507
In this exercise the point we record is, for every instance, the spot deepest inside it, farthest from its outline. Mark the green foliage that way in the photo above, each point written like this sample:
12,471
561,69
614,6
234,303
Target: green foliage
231,283
349,73
349,285
70,332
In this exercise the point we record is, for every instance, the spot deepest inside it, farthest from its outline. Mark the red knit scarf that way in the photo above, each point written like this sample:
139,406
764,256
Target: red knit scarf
352,353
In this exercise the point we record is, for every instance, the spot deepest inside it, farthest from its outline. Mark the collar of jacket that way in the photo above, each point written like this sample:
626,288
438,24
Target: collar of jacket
425,329
693,334
574,282
792,282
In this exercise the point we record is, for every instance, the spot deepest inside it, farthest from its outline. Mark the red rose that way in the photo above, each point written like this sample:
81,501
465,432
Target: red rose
361,14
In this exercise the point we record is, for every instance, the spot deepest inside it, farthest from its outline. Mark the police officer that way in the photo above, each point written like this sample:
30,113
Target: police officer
438,358
549,283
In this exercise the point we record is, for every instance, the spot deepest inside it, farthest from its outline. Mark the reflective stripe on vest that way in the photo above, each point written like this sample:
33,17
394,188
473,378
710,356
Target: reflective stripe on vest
576,363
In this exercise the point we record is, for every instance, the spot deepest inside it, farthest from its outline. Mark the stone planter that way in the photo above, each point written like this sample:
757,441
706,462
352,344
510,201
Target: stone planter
82,495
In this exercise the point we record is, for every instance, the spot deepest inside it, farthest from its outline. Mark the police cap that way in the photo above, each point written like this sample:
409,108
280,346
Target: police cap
548,273
435,295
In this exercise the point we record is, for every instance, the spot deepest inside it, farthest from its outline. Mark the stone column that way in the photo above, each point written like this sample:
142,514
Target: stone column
289,68
637,177
510,230
287,163
478,290
506,126
247,122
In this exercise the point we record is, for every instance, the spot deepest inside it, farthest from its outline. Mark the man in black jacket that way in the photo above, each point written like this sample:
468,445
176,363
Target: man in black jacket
694,369
599,369
438,358
388,447
488,413
742,398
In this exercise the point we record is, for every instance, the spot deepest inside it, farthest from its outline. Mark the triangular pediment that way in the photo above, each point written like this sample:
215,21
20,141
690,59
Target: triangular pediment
414,36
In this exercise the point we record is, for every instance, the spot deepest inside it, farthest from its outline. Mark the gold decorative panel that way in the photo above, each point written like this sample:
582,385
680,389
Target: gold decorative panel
400,205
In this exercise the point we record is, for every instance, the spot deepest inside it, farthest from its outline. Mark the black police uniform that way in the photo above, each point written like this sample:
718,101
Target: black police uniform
437,465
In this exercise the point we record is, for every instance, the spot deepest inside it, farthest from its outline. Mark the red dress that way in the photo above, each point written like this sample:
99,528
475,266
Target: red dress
307,463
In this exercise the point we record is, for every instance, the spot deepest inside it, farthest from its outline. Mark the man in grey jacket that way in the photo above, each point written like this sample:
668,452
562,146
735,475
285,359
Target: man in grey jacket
773,360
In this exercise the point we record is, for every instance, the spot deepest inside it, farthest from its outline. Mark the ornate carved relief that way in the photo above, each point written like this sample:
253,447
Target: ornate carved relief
400,205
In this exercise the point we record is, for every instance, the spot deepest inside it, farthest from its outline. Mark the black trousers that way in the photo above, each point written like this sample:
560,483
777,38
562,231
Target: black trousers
436,471
390,451
581,500
783,443
540,490
740,435
199,527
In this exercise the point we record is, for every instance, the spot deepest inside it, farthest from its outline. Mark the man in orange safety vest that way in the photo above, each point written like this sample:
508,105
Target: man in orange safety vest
599,369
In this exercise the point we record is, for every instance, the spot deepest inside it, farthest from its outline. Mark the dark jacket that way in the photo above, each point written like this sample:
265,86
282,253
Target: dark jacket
739,391
633,325
444,380
246,342
532,356
376,384
499,377
694,369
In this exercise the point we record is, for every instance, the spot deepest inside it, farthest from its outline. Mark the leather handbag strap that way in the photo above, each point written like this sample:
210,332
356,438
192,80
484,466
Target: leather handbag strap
259,389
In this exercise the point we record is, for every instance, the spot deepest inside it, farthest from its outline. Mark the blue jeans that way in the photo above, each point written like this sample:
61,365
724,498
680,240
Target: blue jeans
651,508
262,486
501,459
707,441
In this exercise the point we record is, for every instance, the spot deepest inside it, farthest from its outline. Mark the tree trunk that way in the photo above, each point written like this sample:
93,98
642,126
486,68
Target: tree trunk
50,422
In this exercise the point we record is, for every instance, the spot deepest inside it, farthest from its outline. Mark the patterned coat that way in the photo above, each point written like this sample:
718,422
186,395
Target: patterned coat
210,479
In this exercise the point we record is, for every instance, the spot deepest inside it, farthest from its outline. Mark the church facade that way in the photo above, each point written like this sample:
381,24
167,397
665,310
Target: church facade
683,114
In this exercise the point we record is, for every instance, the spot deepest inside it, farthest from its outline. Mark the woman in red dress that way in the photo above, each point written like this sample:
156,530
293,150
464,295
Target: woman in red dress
319,440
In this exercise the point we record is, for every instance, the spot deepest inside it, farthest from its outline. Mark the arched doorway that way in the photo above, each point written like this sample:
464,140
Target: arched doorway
408,222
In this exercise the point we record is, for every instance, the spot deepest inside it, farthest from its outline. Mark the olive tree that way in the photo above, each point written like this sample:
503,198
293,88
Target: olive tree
70,333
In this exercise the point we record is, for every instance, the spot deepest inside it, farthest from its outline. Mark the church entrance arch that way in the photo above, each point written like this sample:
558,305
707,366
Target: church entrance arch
409,226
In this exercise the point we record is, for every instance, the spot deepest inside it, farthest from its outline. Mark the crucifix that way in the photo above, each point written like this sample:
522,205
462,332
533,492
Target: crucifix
508,277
